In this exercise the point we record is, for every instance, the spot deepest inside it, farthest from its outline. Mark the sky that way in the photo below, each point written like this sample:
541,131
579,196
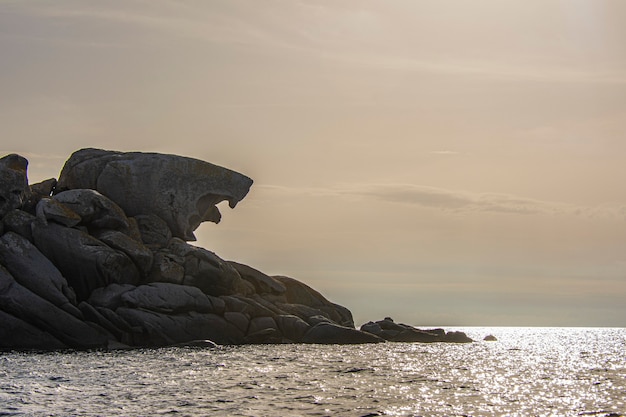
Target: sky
442,163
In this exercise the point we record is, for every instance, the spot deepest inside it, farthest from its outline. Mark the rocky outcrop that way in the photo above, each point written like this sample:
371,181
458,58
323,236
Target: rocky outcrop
181,191
388,330
25,305
101,259
14,190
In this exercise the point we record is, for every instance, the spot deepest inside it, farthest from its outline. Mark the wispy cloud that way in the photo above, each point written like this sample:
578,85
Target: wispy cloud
328,32
457,201
453,201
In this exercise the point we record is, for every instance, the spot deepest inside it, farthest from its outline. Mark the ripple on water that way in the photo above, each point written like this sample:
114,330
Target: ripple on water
527,372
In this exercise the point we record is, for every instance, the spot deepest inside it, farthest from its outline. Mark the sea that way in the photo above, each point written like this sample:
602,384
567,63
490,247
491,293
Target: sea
526,372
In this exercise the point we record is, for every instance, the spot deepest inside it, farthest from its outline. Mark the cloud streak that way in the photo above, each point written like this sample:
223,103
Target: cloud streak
453,201
327,32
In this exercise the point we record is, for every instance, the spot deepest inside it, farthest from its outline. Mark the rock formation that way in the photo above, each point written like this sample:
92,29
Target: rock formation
101,259
388,330
181,191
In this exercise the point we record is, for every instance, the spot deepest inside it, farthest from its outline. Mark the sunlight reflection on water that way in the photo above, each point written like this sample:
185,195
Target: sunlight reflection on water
527,372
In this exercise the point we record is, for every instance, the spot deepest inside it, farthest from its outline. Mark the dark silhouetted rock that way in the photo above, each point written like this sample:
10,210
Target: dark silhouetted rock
457,337
108,245
94,209
373,328
269,302
14,190
18,334
110,296
415,335
490,338
153,230
34,271
83,260
167,267
28,306
317,319
300,293
157,329
239,319
262,283
20,222
235,304
256,309
329,333
119,323
51,210
43,188
141,256
398,332
292,327
182,191
265,336
207,271
261,323
38,191
306,313
167,298
92,314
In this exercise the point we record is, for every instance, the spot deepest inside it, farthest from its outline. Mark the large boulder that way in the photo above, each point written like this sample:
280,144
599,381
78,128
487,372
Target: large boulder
18,334
141,256
158,329
207,271
20,222
38,191
110,296
153,231
14,190
34,271
292,327
83,260
167,267
182,191
22,303
262,283
48,209
94,209
297,292
168,298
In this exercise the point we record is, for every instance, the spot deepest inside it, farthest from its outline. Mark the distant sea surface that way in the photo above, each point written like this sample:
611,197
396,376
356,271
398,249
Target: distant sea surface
527,372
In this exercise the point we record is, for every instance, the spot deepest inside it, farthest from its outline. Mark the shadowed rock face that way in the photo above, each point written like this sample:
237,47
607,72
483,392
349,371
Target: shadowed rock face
182,191
397,332
104,263
13,183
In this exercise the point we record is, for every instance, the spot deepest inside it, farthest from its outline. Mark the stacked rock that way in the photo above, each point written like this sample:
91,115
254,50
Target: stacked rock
101,259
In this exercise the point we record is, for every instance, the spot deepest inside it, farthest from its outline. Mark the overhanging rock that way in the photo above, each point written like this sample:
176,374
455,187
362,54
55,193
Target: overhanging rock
180,190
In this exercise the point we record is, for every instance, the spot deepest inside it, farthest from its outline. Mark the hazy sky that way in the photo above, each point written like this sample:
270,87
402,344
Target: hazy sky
450,163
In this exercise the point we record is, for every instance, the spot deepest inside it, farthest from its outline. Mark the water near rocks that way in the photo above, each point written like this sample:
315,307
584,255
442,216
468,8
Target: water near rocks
527,372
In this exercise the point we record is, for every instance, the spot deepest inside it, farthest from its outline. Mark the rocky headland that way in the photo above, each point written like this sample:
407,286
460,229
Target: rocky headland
100,259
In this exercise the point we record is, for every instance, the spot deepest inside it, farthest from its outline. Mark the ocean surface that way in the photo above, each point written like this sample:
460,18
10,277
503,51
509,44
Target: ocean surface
527,372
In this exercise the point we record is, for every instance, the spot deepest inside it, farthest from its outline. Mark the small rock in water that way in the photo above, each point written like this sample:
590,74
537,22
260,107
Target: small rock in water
490,338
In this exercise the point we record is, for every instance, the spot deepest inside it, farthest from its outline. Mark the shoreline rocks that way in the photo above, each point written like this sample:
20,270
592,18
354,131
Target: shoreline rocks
390,331
101,260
